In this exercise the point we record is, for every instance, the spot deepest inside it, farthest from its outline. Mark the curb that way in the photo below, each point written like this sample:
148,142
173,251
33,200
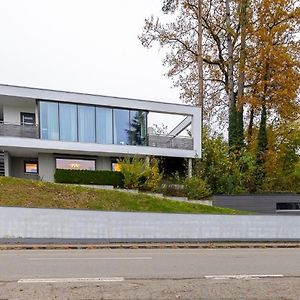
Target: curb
150,246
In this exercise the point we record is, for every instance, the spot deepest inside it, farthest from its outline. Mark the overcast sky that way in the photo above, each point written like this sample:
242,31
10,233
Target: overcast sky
82,45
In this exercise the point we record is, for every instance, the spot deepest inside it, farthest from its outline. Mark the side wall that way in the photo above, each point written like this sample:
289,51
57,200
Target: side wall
11,114
17,168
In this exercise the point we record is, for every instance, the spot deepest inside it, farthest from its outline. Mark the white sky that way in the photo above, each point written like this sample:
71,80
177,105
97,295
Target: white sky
84,46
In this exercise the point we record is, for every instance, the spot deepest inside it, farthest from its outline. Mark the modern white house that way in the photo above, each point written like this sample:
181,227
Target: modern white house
41,130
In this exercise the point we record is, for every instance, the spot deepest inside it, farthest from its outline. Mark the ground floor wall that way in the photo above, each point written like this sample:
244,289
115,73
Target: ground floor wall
15,166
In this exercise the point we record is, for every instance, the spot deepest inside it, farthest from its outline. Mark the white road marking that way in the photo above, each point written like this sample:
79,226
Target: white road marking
69,280
90,258
222,277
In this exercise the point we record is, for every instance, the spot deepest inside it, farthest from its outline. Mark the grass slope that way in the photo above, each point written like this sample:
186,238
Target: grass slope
27,193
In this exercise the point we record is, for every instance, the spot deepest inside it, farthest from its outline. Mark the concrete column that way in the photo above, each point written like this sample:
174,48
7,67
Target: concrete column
196,133
46,166
7,164
103,163
190,167
147,161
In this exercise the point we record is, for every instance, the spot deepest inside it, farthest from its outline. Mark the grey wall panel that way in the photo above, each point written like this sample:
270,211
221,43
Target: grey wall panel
265,204
17,168
69,224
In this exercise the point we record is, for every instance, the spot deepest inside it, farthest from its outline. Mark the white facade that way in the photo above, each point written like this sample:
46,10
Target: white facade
22,143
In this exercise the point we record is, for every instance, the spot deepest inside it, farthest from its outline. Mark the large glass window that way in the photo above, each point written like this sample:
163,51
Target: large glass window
137,132
49,120
68,122
90,124
86,123
121,126
75,164
104,132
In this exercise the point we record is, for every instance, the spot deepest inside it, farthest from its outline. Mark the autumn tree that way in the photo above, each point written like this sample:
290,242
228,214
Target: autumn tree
273,70
224,38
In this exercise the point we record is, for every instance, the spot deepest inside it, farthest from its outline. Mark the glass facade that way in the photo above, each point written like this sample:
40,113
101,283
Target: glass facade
92,124
68,122
86,124
104,125
121,126
138,127
49,120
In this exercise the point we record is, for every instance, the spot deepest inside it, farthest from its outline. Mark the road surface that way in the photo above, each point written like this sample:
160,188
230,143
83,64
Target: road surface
150,274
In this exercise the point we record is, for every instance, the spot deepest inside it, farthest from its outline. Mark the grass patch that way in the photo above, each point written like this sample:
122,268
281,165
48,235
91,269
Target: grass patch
38,194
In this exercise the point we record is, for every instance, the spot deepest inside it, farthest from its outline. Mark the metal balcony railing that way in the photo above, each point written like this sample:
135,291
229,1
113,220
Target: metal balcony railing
167,141
19,130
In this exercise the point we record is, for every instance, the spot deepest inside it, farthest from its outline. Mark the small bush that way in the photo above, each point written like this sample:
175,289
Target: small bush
89,177
196,188
174,190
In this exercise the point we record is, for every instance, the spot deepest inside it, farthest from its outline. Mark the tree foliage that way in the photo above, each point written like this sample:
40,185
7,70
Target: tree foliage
251,54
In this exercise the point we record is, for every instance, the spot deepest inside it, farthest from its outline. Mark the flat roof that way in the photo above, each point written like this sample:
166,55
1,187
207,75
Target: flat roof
86,98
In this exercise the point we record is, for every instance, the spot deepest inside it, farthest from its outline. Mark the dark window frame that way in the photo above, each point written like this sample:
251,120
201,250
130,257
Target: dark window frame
31,162
22,114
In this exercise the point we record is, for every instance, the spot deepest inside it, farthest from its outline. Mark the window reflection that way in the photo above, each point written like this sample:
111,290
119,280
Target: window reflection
137,131
75,164
121,126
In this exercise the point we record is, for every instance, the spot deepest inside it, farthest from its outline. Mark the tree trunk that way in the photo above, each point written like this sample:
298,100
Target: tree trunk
250,127
235,128
241,78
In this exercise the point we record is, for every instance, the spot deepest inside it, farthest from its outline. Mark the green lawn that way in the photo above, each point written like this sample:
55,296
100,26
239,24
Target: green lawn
27,193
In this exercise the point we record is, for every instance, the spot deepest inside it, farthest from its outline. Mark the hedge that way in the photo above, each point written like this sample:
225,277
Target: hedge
89,177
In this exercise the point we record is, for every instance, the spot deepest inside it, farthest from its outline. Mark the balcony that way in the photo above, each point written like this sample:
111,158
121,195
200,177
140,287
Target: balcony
153,140
19,130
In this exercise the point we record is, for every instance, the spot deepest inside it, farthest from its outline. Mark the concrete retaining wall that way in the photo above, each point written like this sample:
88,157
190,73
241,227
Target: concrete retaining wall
78,224
259,203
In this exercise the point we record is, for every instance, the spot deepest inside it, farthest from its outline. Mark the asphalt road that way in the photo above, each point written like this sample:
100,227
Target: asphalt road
156,263
150,274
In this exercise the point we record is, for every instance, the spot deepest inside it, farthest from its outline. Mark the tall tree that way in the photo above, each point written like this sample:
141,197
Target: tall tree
221,33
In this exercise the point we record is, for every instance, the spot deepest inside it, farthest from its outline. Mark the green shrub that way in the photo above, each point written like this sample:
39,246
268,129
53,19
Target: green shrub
89,177
154,178
139,175
196,188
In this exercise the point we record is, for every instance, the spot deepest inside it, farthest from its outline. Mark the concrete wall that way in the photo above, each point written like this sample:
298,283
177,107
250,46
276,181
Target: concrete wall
103,163
11,114
17,168
259,203
46,166
54,223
